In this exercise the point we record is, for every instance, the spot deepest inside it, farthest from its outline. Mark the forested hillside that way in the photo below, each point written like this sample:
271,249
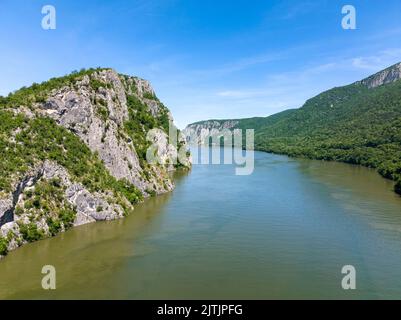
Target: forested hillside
359,124
73,151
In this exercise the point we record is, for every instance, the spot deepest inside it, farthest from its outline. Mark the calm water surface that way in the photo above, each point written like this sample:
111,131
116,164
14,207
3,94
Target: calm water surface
283,232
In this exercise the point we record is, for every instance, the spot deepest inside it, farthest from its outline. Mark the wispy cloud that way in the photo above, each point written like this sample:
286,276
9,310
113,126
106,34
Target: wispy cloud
251,61
298,8
376,62
291,89
241,64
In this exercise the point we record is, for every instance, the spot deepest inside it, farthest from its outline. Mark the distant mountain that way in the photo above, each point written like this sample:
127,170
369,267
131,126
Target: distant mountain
388,75
359,123
73,151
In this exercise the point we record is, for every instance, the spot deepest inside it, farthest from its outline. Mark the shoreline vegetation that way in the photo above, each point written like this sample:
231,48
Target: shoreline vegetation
357,124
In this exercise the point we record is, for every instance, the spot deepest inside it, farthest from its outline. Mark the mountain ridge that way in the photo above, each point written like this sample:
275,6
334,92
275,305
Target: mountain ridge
359,123
388,75
74,152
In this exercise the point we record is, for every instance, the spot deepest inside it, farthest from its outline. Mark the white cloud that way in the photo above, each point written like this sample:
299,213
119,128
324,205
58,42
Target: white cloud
383,59
210,96
284,90
240,64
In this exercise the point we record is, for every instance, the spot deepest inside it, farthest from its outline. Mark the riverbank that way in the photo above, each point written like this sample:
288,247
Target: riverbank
382,173
204,240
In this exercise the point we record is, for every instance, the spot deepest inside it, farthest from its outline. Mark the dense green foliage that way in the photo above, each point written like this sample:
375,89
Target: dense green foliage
38,92
35,140
96,84
30,232
3,246
27,139
39,139
350,124
47,200
150,96
163,118
141,122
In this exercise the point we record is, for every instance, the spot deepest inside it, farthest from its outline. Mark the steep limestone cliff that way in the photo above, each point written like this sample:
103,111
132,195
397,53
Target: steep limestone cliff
200,133
74,152
385,76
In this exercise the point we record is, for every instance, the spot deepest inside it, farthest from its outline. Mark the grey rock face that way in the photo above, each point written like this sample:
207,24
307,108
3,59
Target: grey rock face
7,204
388,75
97,115
87,204
200,133
6,209
78,110
90,207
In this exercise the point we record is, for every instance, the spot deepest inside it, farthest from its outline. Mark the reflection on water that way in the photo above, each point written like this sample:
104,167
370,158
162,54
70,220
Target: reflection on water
283,232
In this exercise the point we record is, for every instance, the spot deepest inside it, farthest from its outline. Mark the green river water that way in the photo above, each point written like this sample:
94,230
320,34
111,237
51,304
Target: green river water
283,232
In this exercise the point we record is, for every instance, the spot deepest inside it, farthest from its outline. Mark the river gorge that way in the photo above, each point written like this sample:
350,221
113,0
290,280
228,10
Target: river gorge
284,231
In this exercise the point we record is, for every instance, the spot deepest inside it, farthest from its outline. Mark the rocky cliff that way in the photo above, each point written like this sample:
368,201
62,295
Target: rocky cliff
358,123
74,152
199,133
385,76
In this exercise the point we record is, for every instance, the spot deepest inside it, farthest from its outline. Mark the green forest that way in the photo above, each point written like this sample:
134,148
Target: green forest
351,124
27,141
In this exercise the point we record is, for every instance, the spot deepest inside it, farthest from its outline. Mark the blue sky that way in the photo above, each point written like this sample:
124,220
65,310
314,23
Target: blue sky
205,59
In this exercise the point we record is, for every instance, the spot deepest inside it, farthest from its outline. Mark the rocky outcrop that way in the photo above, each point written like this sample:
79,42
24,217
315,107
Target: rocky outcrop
97,115
90,207
199,133
388,75
6,210
47,199
87,207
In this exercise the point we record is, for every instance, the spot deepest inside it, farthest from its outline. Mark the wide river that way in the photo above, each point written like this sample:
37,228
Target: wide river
284,231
